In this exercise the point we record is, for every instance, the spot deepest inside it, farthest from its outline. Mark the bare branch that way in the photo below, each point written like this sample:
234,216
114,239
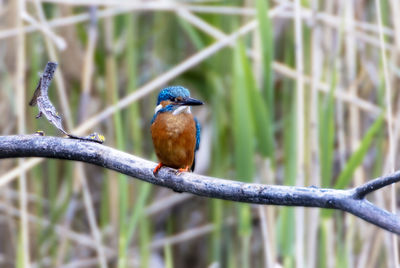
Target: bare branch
376,184
351,200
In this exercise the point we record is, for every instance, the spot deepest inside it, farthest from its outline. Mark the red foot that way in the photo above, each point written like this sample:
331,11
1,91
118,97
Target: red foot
157,168
186,169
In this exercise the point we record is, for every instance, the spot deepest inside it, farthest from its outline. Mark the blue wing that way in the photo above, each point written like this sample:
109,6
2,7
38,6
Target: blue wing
198,129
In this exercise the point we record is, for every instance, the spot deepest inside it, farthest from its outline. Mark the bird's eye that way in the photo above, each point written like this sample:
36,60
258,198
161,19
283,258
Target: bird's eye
176,99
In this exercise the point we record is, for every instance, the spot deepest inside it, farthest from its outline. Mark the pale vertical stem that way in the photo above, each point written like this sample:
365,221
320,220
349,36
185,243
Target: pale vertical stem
266,214
340,126
111,85
117,184
354,122
88,67
21,104
374,254
315,174
370,251
87,77
88,201
388,98
329,42
80,183
20,69
396,22
265,233
300,131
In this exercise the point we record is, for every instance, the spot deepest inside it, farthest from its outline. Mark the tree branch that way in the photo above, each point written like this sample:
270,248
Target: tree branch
352,200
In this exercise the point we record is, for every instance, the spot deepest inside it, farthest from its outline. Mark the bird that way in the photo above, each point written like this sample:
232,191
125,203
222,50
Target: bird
174,130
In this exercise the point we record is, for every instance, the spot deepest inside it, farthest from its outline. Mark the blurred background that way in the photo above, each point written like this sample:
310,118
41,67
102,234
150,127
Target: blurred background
295,92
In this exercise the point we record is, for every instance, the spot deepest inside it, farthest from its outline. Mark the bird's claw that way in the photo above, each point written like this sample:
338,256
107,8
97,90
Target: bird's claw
181,170
157,168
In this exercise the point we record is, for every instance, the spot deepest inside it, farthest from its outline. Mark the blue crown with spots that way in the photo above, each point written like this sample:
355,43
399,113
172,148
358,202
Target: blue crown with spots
169,93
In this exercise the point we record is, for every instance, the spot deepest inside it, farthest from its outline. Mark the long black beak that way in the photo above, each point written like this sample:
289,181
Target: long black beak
190,102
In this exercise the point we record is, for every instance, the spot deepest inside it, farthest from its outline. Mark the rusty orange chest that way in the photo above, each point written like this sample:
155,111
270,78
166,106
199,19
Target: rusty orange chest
174,139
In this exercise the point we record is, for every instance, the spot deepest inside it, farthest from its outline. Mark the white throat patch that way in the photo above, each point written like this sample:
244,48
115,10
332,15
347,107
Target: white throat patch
158,107
179,110
182,109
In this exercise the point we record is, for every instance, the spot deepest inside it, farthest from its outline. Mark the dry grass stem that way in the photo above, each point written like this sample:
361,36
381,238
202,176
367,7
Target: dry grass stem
300,164
23,245
391,153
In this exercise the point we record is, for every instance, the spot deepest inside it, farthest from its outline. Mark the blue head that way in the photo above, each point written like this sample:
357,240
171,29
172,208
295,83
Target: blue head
175,99
172,93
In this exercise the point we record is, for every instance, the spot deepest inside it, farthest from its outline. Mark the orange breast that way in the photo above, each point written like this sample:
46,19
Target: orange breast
174,139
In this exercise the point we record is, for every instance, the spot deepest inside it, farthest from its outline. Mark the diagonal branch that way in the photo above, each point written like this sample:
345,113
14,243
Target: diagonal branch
351,200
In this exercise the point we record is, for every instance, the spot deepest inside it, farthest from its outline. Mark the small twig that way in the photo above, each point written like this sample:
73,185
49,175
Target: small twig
41,98
351,200
376,184
46,108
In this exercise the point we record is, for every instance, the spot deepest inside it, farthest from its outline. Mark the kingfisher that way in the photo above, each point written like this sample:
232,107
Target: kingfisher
174,129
